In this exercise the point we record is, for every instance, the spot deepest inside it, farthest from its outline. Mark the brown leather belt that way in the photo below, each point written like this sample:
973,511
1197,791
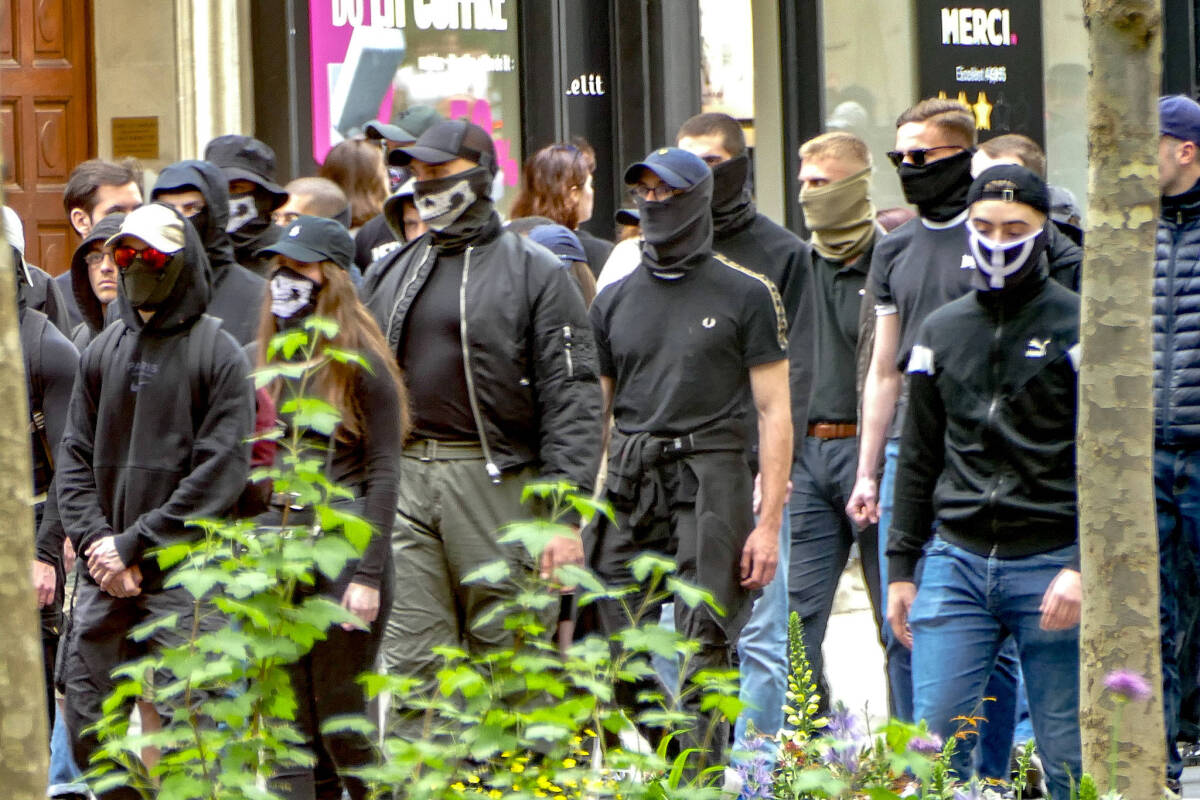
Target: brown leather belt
833,430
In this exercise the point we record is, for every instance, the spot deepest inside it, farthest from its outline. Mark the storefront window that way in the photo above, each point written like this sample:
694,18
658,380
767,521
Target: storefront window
870,77
727,53
1066,60
371,59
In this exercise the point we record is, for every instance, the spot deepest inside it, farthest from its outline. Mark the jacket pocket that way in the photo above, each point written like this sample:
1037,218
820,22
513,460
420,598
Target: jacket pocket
578,352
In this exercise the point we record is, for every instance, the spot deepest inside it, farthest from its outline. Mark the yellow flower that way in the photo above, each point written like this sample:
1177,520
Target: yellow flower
517,768
495,794
458,787
568,762
472,779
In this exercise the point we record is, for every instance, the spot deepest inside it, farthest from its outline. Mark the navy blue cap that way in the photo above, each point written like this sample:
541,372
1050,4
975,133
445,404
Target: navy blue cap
677,168
312,239
558,239
1013,184
1179,116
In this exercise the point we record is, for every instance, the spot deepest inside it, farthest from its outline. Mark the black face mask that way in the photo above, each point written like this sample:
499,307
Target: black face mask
938,189
1003,266
732,205
456,208
147,288
201,221
293,297
677,231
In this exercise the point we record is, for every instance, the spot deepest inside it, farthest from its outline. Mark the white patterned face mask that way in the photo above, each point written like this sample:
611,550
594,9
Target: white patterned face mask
442,201
999,261
293,294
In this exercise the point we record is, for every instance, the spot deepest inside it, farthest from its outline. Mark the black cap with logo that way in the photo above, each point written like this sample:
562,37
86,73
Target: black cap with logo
312,239
446,141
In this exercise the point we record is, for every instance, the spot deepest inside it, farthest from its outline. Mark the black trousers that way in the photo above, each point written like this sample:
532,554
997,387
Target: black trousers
326,686
100,642
709,516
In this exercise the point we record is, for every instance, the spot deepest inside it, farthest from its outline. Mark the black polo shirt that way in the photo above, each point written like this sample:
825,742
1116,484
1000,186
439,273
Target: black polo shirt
680,351
839,295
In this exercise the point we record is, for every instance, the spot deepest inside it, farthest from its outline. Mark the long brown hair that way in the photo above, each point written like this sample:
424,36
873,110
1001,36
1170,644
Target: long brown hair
357,333
549,176
357,166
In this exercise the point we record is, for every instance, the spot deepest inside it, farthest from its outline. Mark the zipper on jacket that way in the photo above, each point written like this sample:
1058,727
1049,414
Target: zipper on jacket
1162,409
567,349
993,411
492,470
404,288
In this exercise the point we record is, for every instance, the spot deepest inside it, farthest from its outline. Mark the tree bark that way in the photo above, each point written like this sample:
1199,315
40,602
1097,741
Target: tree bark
23,734
1117,533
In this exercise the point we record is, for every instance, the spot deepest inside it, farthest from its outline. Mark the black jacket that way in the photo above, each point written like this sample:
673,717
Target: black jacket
759,244
527,344
988,449
44,295
1177,323
237,293
153,440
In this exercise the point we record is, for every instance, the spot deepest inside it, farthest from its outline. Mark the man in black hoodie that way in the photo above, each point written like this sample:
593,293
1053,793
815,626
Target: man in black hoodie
988,455
159,416
198,190
94,280
746,237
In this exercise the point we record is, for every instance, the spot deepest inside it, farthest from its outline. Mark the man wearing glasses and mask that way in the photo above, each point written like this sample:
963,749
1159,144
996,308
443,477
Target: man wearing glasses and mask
686,342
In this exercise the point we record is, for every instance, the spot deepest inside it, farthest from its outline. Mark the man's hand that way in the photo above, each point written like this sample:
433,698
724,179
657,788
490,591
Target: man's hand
44,583
760,556
103,560
68,555
900,597
863,506
1060,604
362,602
126,583
561,551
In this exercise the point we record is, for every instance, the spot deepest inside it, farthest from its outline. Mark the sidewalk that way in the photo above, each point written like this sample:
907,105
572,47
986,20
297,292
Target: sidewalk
854,661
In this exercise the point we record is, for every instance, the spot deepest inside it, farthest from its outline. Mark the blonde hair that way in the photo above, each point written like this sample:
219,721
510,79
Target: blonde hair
842,145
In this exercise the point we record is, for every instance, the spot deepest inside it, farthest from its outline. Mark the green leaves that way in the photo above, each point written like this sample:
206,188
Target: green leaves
312,413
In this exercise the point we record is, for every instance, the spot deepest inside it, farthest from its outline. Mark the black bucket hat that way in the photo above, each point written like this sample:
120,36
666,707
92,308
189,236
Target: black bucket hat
246,158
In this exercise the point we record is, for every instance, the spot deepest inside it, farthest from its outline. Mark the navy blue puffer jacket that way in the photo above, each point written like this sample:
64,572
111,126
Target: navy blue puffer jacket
1177,323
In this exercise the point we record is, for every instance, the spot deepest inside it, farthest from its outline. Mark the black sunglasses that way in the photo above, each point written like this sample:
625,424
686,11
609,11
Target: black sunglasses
918,156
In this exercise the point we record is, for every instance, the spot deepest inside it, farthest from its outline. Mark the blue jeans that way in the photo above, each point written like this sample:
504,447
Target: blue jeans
966,606
899,659
1177,497
822,534
64,775
762,651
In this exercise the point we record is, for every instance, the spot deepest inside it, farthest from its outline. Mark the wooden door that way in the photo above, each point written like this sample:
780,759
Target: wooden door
45,117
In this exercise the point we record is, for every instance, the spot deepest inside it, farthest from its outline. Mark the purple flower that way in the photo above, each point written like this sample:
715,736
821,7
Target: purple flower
844,756
929,745
972,792
843,725
1127,684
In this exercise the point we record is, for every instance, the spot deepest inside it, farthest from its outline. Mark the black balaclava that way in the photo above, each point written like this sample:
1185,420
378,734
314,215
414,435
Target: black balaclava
678,231
1003,266
732,201
939,188
457,208
250,225
293,297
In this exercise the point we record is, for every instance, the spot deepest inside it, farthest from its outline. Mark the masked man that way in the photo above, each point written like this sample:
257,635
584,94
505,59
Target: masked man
254,195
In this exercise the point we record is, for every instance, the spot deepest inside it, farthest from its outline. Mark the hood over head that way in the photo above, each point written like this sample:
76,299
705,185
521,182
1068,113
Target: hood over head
187,299
90,307
207,179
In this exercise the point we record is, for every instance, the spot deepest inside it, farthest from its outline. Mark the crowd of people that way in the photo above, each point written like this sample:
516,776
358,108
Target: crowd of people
753,405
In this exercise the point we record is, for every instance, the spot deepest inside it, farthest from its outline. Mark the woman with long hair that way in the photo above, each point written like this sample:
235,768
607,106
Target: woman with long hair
358,167
557,184
309,277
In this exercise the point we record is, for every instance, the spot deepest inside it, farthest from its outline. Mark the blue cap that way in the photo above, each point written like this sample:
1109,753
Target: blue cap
559,240
1179,116
677,168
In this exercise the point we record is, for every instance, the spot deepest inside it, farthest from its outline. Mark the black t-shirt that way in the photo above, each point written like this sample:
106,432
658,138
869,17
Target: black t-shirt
680,350
432,358
373,241
916,270
839,296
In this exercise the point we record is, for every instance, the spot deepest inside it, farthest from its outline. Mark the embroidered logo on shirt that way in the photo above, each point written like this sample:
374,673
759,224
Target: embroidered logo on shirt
1036,348
709,322
968,261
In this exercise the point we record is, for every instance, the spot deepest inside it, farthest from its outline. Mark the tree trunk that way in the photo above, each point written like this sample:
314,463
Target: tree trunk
23,734
1118,539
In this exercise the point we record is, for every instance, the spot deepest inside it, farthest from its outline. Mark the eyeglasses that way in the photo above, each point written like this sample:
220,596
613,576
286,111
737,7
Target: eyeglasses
153,258
94,258
917,157
660,192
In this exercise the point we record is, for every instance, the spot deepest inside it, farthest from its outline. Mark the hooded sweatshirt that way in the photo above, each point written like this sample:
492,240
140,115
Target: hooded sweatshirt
236,291
91,310
153,440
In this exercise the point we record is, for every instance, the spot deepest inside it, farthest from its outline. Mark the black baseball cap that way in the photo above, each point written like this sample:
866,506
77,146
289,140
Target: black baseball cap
677,168
246,158
447,140
406,128
311,239
1013,184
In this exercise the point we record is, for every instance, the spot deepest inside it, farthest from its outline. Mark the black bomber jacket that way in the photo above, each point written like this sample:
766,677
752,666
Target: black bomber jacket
988,448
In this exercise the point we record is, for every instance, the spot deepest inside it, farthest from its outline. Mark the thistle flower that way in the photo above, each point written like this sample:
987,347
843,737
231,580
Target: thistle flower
1127,684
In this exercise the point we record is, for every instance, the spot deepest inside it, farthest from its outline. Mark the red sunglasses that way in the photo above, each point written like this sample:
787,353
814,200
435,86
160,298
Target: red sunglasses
153,258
